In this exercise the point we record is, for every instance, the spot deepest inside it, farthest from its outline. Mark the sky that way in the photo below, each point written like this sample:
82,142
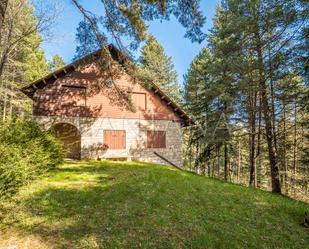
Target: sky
170,34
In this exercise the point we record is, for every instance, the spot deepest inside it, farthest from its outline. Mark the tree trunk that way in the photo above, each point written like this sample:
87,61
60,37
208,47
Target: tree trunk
196,163
218,161
295,147
3,5
258,151
252,121
274,170
190,149
4,103
286,188
225,161
6,50
10,108
272,95
209,169
239,163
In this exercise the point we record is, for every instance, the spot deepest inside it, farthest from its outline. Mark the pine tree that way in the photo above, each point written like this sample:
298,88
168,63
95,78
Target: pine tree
129,19
21,58
252,47
202,100
86,38
55,63
34,60
157,67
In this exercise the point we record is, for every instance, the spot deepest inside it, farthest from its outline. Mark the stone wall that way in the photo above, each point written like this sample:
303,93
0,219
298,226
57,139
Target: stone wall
91,130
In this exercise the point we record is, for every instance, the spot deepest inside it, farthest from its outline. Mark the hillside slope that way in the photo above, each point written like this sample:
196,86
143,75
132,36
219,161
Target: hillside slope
135,205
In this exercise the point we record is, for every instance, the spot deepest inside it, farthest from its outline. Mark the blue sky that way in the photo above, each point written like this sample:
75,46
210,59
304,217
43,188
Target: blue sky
170,34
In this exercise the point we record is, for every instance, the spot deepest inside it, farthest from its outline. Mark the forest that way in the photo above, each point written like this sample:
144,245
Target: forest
246,90
248,93
236,69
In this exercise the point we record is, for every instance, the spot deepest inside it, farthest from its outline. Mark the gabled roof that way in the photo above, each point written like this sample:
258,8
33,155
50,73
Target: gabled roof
30,89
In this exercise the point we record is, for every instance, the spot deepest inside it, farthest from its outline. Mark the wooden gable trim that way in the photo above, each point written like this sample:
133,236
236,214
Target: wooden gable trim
170,103
48,79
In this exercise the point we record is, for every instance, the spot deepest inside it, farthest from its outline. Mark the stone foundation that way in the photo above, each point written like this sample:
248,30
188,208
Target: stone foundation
91,131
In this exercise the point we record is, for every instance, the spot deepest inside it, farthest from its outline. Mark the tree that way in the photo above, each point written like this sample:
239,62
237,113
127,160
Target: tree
246,74
86,38
157,67
199,95
305,157
302,58
16,30
34,62
55,63
21,59
127,18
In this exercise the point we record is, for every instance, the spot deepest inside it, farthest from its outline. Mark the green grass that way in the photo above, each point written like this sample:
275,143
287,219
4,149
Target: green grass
135,205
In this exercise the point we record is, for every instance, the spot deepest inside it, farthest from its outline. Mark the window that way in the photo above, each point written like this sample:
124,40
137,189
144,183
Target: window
115,139
156,139
73,95
139,100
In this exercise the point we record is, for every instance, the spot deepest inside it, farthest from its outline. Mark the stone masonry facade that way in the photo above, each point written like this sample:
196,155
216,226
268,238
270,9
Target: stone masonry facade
91,133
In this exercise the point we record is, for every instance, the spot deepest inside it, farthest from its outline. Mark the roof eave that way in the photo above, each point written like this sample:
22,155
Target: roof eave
176,108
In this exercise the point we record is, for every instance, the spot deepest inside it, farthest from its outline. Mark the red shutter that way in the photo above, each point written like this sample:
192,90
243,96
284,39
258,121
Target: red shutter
115,139
156,139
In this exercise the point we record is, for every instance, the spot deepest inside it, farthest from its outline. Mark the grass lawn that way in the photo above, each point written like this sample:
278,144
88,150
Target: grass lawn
135,205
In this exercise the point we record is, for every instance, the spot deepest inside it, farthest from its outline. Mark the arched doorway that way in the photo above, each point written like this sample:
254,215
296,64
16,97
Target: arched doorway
70,137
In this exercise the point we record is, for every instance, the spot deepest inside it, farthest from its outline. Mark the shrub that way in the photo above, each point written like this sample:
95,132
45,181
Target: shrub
26,152
53,148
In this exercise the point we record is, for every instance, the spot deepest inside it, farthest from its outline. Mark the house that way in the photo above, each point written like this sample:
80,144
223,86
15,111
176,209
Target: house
101,115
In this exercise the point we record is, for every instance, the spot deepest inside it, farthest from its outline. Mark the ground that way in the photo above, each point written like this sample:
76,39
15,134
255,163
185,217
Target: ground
134,205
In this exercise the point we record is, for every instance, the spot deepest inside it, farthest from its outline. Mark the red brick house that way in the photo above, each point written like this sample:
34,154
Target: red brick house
97,114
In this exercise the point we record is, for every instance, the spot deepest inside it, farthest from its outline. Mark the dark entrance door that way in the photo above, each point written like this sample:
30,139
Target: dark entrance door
70,137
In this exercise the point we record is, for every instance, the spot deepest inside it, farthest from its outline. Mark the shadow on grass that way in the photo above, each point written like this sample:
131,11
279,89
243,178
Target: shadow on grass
134,206
118,209
101,166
